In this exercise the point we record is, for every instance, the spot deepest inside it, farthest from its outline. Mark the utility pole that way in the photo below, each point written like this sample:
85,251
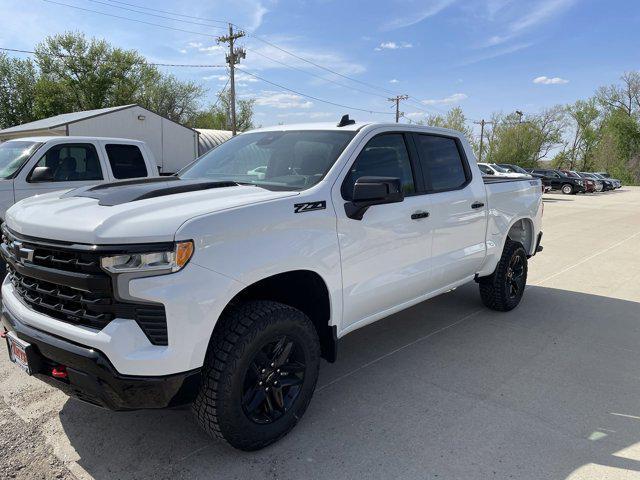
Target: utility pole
233,58
482,123
397,100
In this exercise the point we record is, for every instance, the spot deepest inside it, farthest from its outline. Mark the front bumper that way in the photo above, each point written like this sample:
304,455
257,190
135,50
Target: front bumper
92,378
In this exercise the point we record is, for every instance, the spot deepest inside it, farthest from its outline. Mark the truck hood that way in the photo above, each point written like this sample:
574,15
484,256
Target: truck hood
128,212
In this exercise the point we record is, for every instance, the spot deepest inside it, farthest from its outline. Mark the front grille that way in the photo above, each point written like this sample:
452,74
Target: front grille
66,282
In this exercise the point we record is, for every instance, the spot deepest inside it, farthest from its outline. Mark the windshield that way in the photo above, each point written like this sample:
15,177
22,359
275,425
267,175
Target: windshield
284,160
519,169
14,154
498,168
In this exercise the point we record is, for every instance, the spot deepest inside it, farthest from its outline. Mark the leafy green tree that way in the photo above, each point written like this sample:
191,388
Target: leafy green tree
584,125
17,84
524,141
619,150
218,116
77,73
454,119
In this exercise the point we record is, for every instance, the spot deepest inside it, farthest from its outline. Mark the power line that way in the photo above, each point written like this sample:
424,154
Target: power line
170,13
63,55
129,19
271,44
312,97
212,36
156,15
249,50
315,75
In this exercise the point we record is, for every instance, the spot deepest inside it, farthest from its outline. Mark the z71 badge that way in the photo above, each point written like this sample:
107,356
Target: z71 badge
309,206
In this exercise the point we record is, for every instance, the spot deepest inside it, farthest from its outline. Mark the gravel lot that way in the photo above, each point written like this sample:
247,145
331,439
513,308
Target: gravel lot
444,390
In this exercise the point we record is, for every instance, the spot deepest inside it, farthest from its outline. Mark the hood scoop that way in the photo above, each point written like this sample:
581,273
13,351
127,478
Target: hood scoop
117,193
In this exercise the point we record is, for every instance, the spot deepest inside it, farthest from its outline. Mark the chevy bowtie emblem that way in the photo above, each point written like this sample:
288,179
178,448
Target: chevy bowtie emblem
21,252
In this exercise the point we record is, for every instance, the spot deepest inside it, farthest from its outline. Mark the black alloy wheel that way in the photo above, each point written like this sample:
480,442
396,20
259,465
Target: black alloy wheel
515,276
273,381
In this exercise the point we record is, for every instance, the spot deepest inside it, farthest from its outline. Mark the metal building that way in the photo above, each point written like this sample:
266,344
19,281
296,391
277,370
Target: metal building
211,138
173,145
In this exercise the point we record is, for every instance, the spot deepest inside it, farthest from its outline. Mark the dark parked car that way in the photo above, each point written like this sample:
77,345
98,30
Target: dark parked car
606,183
616,183
559,181
589,184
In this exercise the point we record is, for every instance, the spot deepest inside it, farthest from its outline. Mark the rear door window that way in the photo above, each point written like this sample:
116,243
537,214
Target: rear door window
72,163
442,164
126,161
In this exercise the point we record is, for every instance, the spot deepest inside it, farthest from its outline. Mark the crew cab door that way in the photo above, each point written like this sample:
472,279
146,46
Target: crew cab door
69,165
458,219
385,255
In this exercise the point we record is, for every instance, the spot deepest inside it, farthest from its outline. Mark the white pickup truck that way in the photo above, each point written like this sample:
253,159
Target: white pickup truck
35,165
224,285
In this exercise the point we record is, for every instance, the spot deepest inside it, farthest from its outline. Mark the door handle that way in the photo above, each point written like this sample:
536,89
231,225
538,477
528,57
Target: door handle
419,215
477,205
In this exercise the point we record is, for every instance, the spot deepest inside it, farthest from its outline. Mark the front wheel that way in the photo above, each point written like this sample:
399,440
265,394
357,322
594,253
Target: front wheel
259,374
503,289
567,189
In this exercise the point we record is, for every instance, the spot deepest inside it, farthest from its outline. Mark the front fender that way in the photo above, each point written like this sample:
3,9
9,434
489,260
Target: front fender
255,242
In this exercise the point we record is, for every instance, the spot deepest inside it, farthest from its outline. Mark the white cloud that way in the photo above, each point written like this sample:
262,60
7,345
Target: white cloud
394,80
257,17
413,16
495,54
393,46
550,80
455,98
282,100
540,12
414,114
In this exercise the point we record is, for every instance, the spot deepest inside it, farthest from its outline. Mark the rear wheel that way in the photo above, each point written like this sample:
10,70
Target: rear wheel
259,375
567,189
503,290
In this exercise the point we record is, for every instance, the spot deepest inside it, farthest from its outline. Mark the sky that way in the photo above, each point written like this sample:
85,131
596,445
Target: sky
482,55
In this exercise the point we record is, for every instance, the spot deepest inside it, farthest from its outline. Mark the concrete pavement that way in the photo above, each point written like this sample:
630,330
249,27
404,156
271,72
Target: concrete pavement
444,390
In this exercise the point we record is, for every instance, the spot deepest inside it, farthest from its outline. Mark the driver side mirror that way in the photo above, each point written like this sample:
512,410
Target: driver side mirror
41,174
369,191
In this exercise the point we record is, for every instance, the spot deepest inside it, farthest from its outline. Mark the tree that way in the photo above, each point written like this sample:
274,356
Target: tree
524,142
618,152
81,74
625,97
17,83
584,120
218,116
171,98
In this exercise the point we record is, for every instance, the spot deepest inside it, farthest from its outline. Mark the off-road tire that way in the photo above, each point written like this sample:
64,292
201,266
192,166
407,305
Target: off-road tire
567,189
243,330
495,289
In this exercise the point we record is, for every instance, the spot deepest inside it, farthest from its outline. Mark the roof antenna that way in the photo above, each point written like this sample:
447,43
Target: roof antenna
345,120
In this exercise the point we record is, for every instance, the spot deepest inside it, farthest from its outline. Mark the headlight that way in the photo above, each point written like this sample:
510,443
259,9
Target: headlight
580,182
168,261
